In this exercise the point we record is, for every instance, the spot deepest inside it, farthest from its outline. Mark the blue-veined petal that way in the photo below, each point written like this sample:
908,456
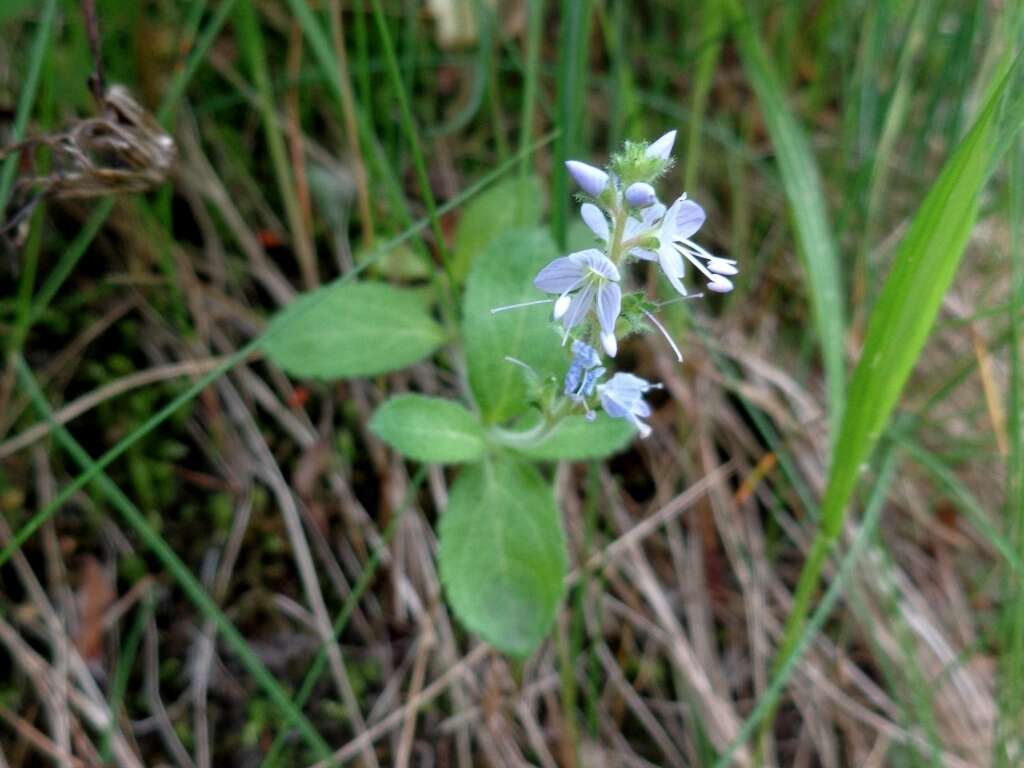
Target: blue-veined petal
609,302
672,265
594,219
561,275
578,308
683,219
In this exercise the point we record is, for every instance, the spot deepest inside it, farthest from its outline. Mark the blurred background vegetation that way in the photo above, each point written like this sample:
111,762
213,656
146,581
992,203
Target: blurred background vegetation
170,603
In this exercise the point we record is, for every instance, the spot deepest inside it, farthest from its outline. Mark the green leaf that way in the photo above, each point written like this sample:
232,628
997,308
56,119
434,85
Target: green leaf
502,275
429,429
576,438
514,203
502,554
346,330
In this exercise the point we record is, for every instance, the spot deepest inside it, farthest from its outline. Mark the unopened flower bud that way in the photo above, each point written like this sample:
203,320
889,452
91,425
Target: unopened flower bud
640,195
662,148
590,179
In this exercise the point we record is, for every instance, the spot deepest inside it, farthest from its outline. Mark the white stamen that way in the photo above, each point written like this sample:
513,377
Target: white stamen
676,300
695,260
496,310
705,253
660,327
520,363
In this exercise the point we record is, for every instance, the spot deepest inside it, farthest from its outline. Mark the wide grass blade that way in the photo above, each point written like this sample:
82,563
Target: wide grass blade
923,268
807,207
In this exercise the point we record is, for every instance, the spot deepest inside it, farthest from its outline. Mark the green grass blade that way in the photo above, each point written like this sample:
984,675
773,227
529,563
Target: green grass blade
1011,688
923,268
332,71
28,98
895,117
195,58
807,206
181,573
965,501
712,24
534,32
123,670
250,37
411,135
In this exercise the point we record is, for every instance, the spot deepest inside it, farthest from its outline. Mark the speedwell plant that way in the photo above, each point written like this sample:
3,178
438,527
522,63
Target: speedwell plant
539,338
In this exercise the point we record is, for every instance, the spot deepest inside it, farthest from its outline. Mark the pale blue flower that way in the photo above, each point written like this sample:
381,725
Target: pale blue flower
622,397
680,223
581,279
590,179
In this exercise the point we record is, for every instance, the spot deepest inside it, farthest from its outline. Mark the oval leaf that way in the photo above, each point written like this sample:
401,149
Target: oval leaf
511,203
503,275
347,330
575,438
502,554
429,429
